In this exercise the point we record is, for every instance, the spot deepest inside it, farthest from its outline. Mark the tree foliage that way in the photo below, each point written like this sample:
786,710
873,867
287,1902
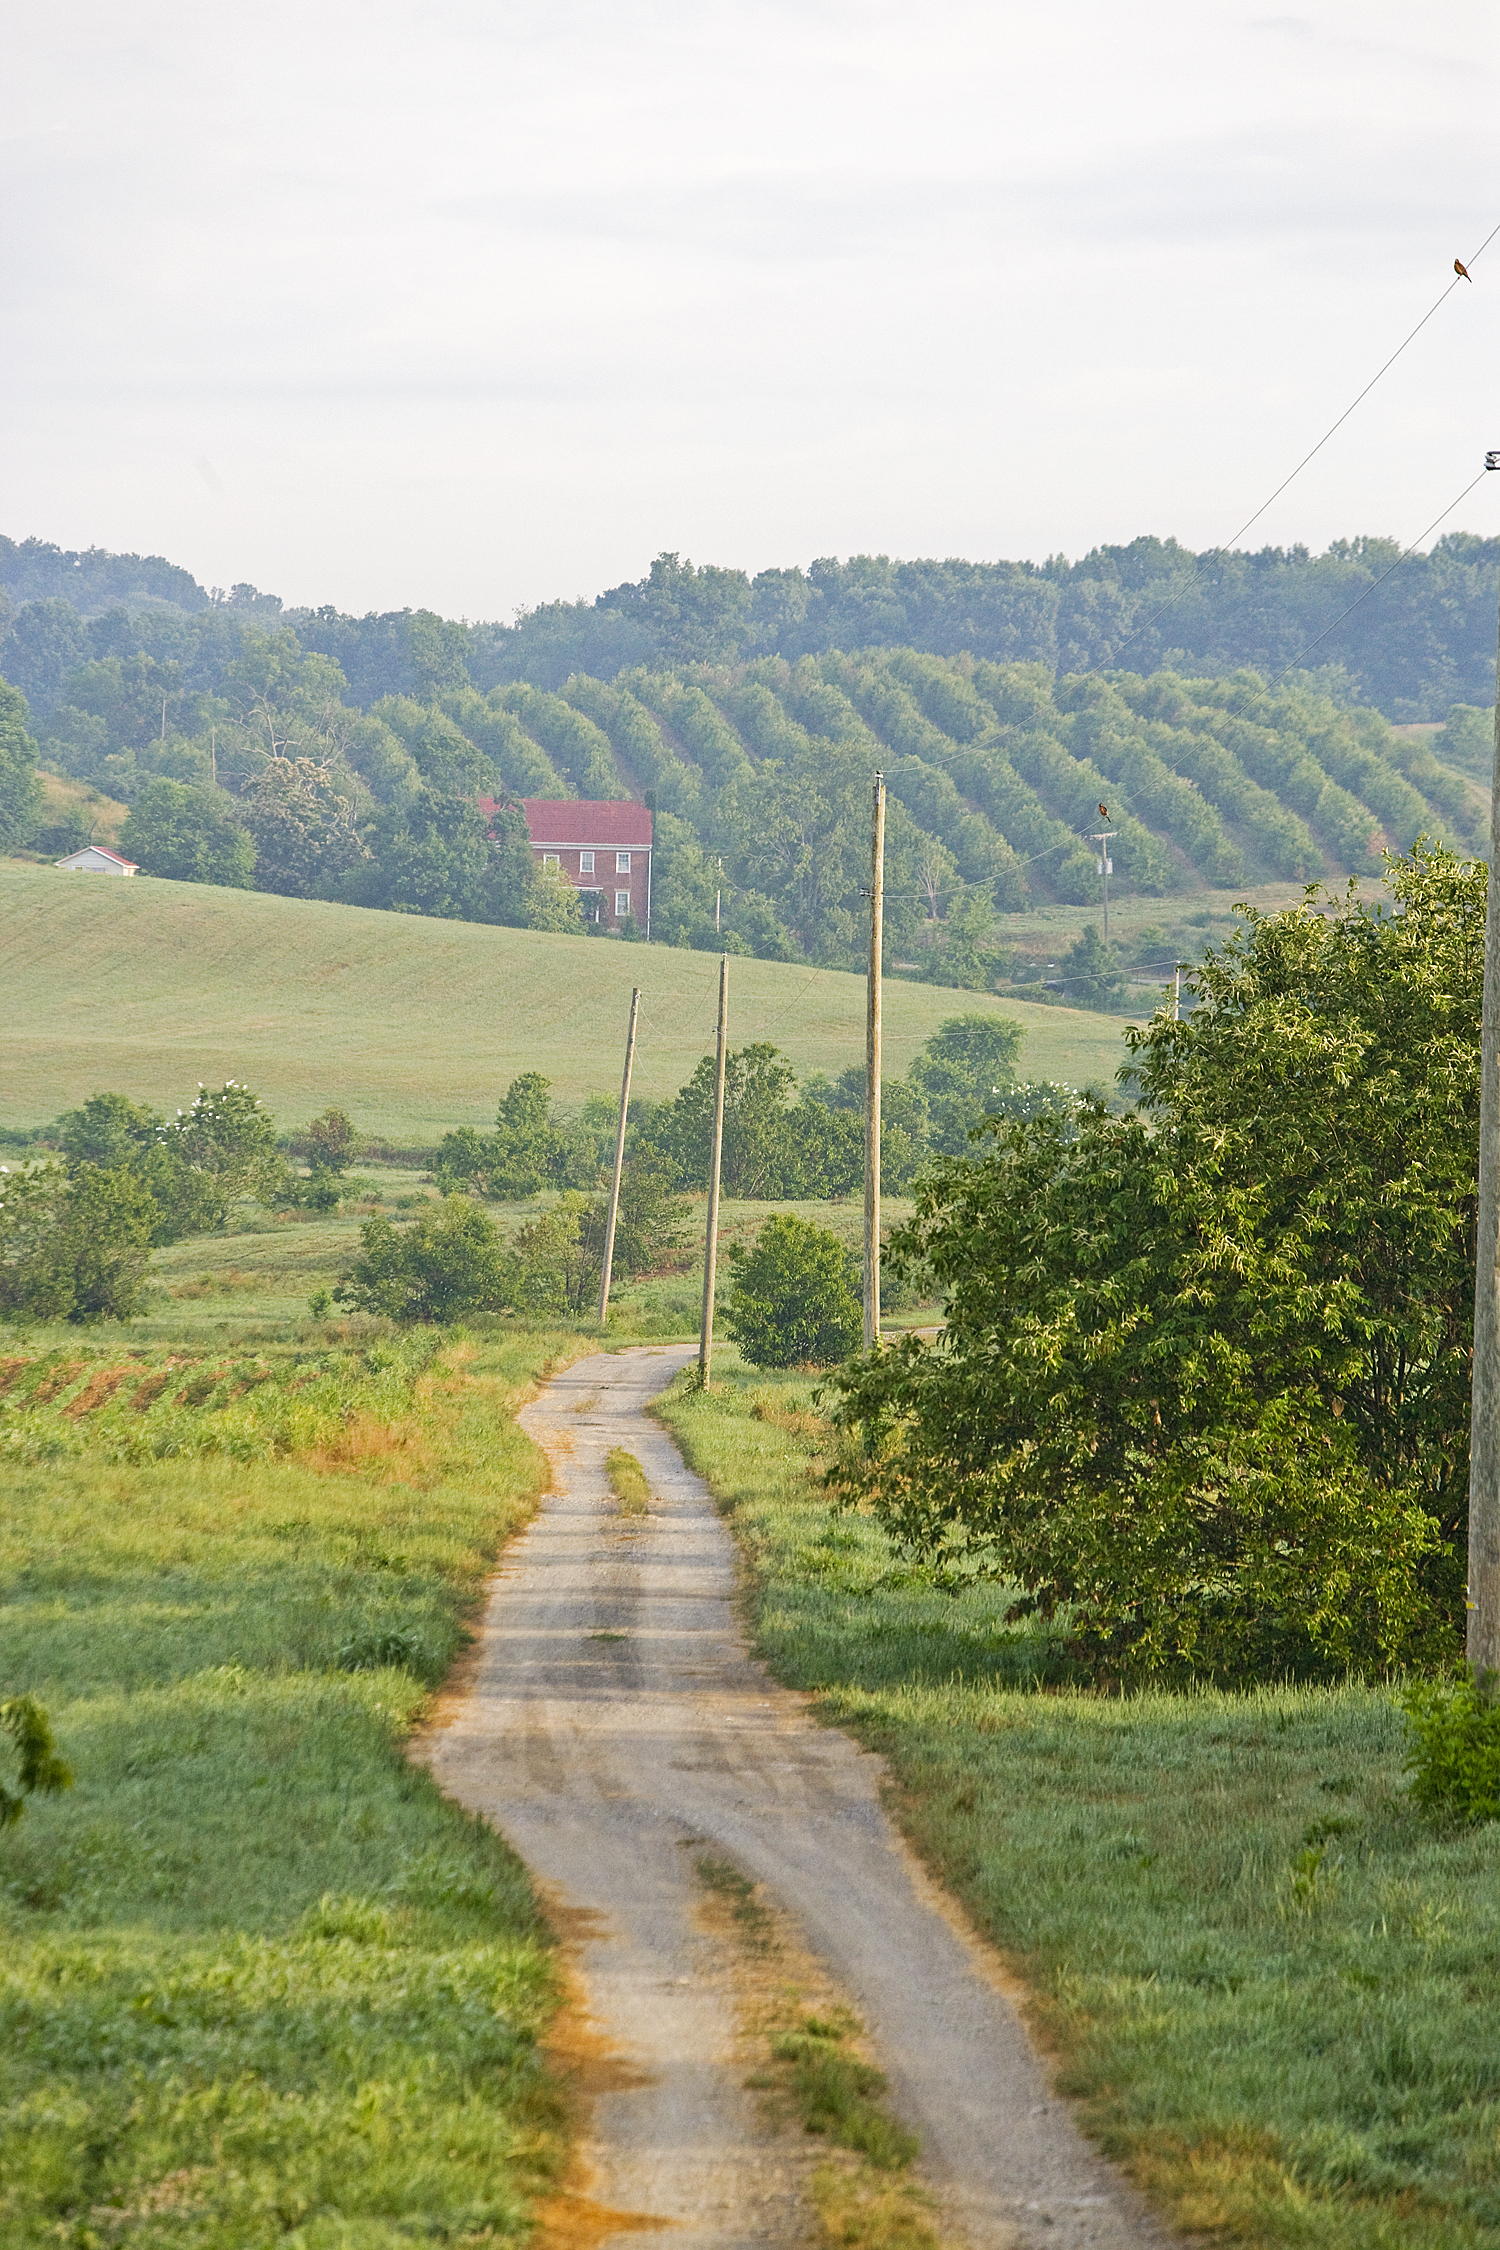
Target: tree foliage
39,1769
1202,1389
357,754
524,1153
795,1299
194,1166
20,791
448,1262
189,835
74,1244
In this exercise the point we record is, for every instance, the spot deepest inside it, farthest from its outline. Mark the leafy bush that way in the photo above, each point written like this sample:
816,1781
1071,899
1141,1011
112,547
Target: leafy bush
194,1166
796,1298
523,1154
74,1246
449,1261
39,1769
1453,1748
328,1145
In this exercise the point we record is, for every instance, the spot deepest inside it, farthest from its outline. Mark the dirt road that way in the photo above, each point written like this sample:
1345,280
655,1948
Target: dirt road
615,1721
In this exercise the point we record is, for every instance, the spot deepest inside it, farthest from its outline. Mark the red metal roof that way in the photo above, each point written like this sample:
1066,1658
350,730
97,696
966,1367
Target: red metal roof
614,824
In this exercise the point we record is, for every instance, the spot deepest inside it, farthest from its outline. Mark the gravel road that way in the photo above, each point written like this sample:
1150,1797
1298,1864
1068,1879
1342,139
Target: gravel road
614,1720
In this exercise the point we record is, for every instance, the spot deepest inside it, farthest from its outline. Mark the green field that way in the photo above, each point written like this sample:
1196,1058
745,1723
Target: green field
413,1025
261,1981
1269,1981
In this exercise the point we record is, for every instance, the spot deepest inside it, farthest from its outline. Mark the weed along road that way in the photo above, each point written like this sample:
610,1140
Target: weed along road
615,1729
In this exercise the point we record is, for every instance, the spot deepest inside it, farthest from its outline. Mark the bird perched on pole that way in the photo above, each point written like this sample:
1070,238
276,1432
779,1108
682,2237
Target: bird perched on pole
1460,267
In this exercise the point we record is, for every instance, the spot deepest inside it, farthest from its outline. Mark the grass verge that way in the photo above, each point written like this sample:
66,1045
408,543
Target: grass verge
628,1482
260,1980
1269,1983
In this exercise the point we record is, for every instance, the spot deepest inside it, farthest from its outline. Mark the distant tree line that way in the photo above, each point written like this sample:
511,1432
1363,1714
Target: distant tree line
782,1141
1420,643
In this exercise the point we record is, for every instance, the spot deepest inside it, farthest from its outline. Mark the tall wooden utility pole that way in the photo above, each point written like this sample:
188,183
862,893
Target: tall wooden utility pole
711,1246
872,1069
614,1185
1483,1636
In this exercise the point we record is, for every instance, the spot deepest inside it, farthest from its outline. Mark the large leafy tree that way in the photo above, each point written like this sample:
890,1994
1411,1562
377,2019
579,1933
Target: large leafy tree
304,827
20,792
189,835
1203,1385
962,1073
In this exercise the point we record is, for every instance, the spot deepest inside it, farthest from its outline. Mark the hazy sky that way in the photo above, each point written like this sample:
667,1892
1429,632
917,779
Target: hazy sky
470,306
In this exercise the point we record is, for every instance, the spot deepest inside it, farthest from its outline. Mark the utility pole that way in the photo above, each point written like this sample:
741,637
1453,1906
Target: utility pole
1106,866
711,1246
872,1068
1482,1639
614,1185
1177,993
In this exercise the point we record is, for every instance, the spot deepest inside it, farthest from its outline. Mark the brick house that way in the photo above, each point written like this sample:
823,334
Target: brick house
602,847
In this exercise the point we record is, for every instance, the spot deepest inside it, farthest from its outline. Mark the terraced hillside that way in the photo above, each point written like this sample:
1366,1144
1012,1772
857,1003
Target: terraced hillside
1209,782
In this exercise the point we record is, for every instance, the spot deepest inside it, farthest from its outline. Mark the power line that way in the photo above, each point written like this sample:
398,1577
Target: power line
1228,545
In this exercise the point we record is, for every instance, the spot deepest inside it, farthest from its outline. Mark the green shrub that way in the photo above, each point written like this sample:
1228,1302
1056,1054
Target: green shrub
795,1299
39,1769
448,1262
1453,1747
74,1247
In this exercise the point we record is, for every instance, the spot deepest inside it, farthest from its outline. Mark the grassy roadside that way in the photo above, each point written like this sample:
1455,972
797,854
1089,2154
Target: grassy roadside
258,1980
1271,1987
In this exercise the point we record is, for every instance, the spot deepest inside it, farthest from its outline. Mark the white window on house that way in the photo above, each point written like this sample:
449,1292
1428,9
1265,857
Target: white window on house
622,902
551,859
585,863
622,863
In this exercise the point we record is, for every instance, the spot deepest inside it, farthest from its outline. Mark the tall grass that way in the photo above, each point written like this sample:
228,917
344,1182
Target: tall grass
1269,1982
258,1980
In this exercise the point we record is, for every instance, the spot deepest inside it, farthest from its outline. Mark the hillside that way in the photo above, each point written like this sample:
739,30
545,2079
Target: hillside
759,774
413,1025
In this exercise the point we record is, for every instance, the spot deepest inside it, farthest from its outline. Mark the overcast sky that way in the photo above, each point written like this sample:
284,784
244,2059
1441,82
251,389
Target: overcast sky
471,305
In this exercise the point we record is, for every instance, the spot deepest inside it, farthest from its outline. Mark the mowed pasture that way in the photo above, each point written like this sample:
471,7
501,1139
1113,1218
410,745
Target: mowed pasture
413,1025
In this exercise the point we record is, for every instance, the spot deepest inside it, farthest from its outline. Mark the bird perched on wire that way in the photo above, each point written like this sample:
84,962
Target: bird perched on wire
1460,267
1104,812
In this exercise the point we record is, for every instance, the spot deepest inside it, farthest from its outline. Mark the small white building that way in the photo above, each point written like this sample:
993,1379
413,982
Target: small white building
97,859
